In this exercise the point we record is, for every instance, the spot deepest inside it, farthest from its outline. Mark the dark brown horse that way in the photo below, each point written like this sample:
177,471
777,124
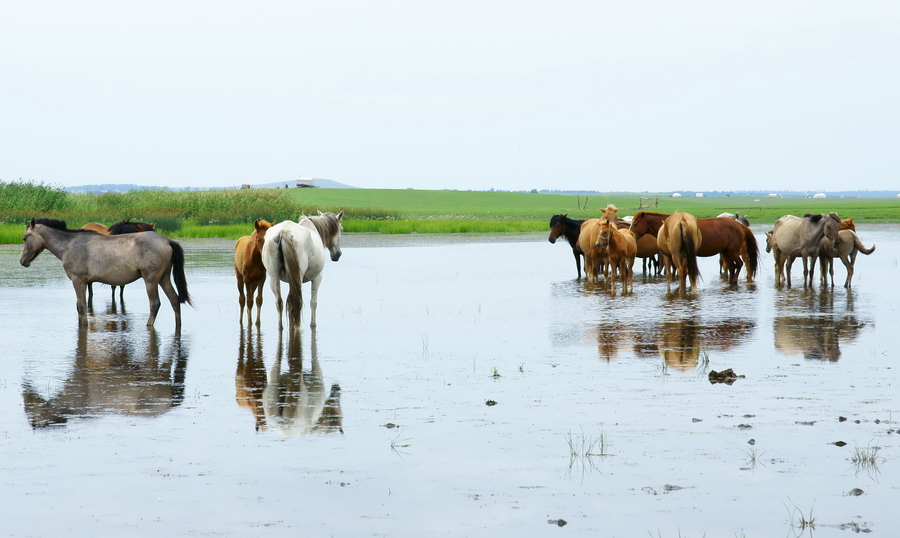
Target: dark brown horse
562,225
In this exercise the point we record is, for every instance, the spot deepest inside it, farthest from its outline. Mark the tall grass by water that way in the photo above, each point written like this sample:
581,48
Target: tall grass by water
229,213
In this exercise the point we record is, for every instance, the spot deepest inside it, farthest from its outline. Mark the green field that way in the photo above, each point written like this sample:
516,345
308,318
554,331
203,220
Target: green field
229,214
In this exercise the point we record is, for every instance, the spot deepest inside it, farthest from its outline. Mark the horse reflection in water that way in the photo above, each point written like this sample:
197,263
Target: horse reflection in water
679,342
816,337
292,401
115,372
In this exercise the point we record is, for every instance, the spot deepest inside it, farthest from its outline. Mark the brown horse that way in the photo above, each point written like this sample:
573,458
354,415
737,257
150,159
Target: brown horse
562,225
593,258
732,241
678,239
249,269
619,247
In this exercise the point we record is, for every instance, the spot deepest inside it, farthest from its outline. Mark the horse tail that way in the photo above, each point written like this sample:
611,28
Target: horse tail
291,258
860,246
178,273
752,253
689,249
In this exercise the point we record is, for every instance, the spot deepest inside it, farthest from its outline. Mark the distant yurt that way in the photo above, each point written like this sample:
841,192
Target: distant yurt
676,195
820,195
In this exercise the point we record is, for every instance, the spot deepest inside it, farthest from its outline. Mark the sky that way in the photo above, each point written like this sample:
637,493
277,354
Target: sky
595,95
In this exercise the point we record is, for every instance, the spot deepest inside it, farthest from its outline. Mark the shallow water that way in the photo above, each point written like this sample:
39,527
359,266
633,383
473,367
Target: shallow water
376,424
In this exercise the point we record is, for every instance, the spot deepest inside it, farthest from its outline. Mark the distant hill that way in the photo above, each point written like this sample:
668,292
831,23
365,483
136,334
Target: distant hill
125,187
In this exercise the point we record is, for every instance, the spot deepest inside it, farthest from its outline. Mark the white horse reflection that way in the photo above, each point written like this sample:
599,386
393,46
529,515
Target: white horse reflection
291,401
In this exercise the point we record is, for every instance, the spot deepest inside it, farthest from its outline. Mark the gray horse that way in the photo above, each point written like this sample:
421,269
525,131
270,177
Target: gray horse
111,259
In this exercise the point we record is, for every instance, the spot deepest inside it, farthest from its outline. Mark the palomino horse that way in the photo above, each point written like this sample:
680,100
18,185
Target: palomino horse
562,225
249,269
678,239
121,227
619,247
593,257
794,236
292,253
111,259
846,251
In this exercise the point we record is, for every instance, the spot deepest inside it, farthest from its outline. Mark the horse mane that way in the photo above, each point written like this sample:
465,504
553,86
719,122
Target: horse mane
328,225
814,217
128,227
52,223
57,224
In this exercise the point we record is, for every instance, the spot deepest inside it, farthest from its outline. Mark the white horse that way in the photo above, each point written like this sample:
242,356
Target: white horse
292,253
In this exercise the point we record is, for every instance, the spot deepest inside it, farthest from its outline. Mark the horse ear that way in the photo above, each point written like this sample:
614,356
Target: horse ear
320,212
31,224
341,214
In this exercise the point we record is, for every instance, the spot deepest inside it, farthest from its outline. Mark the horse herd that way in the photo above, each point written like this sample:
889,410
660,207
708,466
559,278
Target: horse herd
291,251
610,244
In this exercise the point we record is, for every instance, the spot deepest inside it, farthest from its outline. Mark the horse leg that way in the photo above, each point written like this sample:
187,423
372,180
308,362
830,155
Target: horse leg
172,294
153,295
275,284
81,301
848,264
259,300
90,292
736,265
314,299
578,263
241,299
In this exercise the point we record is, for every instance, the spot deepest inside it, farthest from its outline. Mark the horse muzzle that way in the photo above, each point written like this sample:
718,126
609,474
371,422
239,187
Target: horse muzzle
552,240
335,256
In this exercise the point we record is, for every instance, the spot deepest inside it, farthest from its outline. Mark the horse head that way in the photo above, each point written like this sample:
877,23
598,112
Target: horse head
832,227
32,242
330,228
769,240
602,242
557,227
259,233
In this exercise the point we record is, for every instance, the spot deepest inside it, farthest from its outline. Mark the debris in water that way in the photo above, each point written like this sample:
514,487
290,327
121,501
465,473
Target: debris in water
725,376
490,403
855,492
839,443
559,522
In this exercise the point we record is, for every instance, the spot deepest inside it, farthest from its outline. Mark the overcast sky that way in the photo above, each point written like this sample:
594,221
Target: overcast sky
597,95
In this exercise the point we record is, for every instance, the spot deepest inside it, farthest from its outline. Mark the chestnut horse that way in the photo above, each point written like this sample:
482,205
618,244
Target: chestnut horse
619,247
721,235
249,269
732,241
562,225
678,239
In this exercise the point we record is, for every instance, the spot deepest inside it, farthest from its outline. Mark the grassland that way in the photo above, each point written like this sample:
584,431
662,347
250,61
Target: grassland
228,214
